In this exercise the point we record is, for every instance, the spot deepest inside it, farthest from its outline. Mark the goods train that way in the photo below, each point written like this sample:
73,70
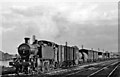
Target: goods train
43,56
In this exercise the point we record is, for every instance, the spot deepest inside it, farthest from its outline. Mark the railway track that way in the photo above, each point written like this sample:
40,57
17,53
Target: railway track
90,70
106,71
103,69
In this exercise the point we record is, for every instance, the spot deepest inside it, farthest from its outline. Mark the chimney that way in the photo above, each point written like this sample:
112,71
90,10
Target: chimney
27,40
33,38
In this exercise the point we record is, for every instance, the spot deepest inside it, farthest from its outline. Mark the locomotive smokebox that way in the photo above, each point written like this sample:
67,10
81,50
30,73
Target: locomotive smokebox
27,40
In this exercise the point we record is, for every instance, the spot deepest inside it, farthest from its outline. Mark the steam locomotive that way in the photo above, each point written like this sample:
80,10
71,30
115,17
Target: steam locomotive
43,56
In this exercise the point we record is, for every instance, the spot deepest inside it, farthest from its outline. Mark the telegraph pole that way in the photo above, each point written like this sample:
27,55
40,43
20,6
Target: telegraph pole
66,52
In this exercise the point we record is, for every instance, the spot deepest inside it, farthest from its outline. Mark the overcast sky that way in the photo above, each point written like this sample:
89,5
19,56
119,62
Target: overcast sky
90,23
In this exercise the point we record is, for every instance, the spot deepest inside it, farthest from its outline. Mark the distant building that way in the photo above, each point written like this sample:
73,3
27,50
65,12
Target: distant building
5,56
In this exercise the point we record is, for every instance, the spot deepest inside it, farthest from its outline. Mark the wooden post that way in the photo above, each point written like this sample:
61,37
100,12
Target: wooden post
82,46
91,48
98,49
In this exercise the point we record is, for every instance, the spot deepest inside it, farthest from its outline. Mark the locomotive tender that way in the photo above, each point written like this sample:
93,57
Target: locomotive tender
43,56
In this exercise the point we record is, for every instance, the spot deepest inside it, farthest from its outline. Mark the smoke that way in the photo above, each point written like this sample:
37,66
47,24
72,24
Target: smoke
42,26
71,24
76,24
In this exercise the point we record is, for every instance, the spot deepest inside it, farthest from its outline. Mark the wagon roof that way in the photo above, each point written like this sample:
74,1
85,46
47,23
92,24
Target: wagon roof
100,52
83,50
46,42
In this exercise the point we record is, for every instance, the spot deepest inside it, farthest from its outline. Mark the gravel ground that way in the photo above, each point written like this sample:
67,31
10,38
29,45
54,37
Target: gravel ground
61,72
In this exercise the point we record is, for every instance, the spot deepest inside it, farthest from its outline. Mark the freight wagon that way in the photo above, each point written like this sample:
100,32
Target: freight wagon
87,55
67,55
100,56
107,55
95,55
